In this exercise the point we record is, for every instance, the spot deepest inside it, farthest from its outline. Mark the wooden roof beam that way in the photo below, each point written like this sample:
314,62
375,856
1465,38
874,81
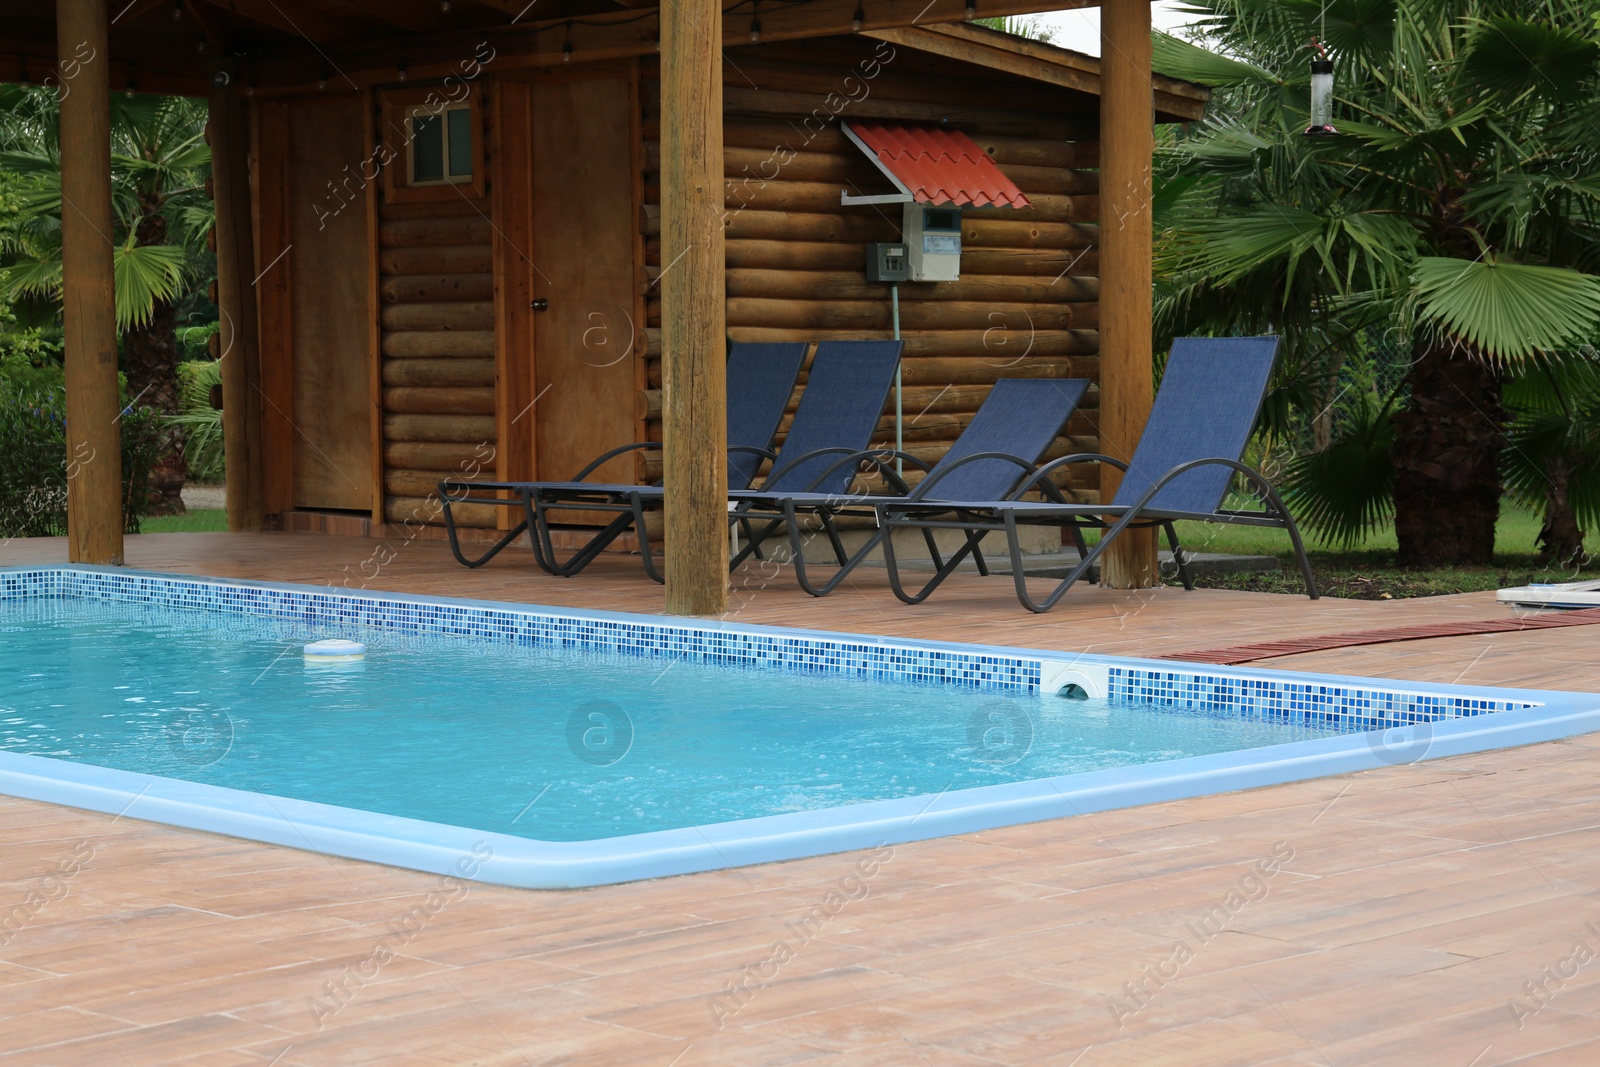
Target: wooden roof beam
819,18
417,16
517,9
1037,61
133,10
299,19
620,35
206,19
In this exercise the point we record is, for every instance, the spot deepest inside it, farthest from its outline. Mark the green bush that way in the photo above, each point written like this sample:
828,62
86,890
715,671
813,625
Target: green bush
195,341
33,460
30,360
200,422
35,467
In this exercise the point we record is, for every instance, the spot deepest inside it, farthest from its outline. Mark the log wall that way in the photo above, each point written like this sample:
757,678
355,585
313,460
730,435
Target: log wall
1026,302
436,312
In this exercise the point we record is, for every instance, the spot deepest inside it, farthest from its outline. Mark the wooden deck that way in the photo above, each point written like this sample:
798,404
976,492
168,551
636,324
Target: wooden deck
1443,913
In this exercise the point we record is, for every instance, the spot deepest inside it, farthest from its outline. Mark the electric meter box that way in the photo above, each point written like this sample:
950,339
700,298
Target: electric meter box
933,242
886,261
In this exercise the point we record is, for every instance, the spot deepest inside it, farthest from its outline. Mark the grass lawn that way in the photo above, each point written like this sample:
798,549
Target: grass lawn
211,520
1369,572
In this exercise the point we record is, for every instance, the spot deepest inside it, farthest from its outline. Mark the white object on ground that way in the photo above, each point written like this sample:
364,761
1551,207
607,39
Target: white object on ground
1562,595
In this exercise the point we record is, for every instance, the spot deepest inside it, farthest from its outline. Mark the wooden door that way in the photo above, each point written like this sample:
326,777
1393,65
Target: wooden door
584,227
329,309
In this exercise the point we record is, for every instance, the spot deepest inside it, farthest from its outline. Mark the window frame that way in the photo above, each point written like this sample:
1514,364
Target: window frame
399,107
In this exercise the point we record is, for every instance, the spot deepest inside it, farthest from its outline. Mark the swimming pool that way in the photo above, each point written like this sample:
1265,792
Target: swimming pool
554,748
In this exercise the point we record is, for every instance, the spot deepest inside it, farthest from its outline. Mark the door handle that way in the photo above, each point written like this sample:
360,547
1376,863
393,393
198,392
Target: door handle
540,304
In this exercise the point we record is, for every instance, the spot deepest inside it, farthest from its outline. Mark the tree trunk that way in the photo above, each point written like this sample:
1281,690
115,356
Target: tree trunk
150,362
1560,540
1447,444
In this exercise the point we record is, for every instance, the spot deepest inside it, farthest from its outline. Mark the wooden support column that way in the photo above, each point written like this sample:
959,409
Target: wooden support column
229,135
694,416
1127,142
89,321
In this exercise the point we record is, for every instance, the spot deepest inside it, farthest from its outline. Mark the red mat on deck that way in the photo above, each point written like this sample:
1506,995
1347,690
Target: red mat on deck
1235,654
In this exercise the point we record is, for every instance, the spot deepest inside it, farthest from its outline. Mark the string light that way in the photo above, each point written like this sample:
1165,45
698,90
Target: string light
972,10
566,46
857,19
22,73
755,22
177,10
401,73
444,6
322,80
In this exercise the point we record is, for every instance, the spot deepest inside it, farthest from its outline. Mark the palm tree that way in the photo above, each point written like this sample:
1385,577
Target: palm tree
1553,462
1456,208
159,162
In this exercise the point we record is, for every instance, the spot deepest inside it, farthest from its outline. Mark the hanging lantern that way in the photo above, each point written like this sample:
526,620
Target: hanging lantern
1321,96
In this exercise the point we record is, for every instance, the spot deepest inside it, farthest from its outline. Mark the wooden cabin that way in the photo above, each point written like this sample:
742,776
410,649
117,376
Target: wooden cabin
446,237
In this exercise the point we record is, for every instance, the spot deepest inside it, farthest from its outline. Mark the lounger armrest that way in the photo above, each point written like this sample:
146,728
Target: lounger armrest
459,490
927,484
1268,494
877,457
1044,472
607,457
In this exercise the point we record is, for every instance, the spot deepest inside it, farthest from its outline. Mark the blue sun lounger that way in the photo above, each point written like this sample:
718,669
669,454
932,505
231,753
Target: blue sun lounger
844,395
845,392
1016,424
1188,455
760,379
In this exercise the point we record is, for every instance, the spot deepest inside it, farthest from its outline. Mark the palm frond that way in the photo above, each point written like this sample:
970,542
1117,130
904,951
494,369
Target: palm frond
1511,56
1356,29
1346,491
1508,311
31,278
31,164
145,275
1177,58
1555,428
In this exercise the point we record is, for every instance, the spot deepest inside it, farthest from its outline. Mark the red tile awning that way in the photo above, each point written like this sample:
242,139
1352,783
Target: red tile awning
938,165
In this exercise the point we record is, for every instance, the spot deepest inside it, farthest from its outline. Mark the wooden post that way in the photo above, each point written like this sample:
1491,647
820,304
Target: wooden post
229,135
1127,142
693,326
89,321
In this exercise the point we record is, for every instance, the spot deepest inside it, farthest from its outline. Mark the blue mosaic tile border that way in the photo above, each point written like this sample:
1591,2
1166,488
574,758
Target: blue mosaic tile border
1272,697
531,627
1312,703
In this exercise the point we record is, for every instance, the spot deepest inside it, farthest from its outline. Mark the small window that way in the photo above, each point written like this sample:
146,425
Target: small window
431,142
441,145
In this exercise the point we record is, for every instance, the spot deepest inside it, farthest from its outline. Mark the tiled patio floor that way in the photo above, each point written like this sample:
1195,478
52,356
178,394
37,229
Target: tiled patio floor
1425,914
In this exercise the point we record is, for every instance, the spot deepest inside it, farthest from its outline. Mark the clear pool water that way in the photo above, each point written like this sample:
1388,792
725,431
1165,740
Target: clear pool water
553,746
